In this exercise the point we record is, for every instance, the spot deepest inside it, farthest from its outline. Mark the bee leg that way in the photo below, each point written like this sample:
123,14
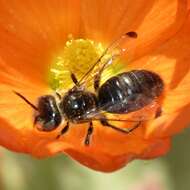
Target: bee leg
96,82
74,79
89,133
104,122
97,78
63,131
135,126
158,112
58,95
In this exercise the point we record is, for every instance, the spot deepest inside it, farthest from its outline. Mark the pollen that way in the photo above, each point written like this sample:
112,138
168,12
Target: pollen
78,56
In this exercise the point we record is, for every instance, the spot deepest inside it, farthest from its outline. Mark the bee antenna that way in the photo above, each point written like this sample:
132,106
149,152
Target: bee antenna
27,101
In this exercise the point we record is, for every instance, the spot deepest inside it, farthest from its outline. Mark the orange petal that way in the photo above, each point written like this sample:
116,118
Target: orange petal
109,150
169,124
154,21
171,62
30,31
107,162
31,39
158,149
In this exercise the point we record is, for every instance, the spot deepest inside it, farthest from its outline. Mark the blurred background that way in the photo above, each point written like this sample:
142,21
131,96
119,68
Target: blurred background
171,172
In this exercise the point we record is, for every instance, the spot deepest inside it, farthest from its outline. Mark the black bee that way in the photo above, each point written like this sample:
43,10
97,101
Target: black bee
124,93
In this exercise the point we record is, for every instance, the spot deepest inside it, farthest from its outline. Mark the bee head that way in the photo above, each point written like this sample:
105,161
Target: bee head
48,115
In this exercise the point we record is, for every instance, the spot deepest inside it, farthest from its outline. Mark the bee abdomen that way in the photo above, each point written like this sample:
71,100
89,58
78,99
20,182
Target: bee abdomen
130,91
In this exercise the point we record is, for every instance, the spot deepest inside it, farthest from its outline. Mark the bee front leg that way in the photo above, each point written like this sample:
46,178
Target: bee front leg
74,79
89,133
63,131
96,82
97,77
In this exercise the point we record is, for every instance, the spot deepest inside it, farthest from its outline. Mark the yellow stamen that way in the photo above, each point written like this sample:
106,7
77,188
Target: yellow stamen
77,57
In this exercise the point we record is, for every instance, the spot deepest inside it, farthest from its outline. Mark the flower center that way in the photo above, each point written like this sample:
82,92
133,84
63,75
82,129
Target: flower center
77,57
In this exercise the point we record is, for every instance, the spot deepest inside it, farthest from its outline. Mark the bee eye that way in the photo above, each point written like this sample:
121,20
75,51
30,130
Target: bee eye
46,125
49,116
49,126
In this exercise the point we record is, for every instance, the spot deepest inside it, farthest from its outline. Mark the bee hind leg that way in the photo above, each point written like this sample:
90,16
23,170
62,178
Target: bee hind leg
105,122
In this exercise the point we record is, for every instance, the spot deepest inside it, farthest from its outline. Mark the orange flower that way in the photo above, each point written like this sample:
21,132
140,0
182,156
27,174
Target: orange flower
31,32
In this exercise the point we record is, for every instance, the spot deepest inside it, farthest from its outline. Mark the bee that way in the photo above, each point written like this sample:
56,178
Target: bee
121,94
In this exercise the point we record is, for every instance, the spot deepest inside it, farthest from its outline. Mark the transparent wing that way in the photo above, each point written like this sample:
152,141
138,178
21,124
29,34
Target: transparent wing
113,50
147,113
125,123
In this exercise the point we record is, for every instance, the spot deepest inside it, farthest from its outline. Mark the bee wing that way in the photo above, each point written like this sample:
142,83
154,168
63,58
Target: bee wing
147,113
114,50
